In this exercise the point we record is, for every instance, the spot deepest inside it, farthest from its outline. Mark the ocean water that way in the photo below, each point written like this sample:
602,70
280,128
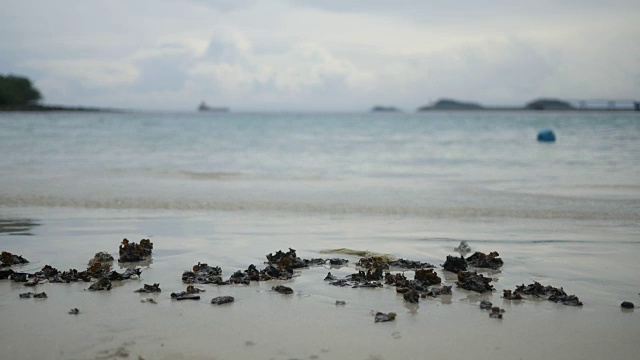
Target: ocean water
228,188
444,167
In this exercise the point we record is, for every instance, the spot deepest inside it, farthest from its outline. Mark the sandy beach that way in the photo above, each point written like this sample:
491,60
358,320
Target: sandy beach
262,324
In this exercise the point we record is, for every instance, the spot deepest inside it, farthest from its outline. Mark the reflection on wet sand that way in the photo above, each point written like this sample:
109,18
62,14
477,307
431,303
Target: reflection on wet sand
17,226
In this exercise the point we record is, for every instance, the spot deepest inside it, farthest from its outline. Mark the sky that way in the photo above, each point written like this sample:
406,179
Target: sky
325,55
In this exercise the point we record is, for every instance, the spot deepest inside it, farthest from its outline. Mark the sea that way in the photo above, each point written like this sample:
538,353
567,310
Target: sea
228,188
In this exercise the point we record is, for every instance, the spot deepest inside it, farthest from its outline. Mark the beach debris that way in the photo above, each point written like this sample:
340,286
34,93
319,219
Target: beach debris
9,259
486,305
26,295
5,274
42,295
455,264
538,290
482,260
471,280
282,289
330,277
434,292
427,277
20,277
131,273
222,300
341,302
149,289
131,252
337,262
627,305
189,294
74,311
148,300
203,274
510,295
382,317
288,260
101,284
463,248
360,253
412,296
72,275
496,313
240,277
101,257
409,264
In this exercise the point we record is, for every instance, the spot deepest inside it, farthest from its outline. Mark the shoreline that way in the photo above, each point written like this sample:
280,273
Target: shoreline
44,108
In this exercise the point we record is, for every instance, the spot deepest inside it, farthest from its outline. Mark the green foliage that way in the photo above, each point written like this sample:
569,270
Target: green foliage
17,90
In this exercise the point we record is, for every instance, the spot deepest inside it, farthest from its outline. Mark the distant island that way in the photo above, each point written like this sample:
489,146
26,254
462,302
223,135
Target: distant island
449,104
549,104
204,107
380,108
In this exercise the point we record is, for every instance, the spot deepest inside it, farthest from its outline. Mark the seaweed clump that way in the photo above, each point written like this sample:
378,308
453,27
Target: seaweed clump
538,290
203,274
131,252
471,280
409,264
482,260
9,259
149,288
455,264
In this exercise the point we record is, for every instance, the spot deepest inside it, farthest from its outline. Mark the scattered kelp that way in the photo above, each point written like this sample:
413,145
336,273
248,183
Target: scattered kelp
437,291
101,257
222,300
538,290
486,305
74,311
288,260
471,280
203,274
101,284
131,273
482,260
148,300
455,264
29,295
72,275
382,317
403,264
341,302
496,312
463,248
9,259
4,274
427,277
155,288
282,289
412,296
131,252
189,294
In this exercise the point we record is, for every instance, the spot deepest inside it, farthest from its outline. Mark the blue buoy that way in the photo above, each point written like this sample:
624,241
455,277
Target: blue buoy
546,135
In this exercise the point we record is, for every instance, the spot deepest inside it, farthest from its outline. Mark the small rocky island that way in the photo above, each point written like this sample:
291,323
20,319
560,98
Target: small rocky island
449,104
549,104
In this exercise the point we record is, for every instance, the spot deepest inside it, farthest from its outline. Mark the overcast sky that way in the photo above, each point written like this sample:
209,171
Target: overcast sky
320,55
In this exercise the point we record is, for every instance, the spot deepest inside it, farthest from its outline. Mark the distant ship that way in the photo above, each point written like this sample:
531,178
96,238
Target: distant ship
204,107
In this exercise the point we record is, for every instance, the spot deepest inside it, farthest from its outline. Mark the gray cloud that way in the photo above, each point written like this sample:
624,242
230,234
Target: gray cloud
328,55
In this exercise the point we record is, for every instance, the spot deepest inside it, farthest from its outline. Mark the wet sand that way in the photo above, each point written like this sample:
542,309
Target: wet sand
262,324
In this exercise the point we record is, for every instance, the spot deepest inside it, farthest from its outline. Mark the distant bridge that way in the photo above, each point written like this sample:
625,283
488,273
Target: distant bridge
606,104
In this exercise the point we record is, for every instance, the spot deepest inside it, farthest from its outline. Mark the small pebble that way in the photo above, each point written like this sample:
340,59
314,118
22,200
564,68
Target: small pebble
148,300
627,305
485,305
74,311
341,302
